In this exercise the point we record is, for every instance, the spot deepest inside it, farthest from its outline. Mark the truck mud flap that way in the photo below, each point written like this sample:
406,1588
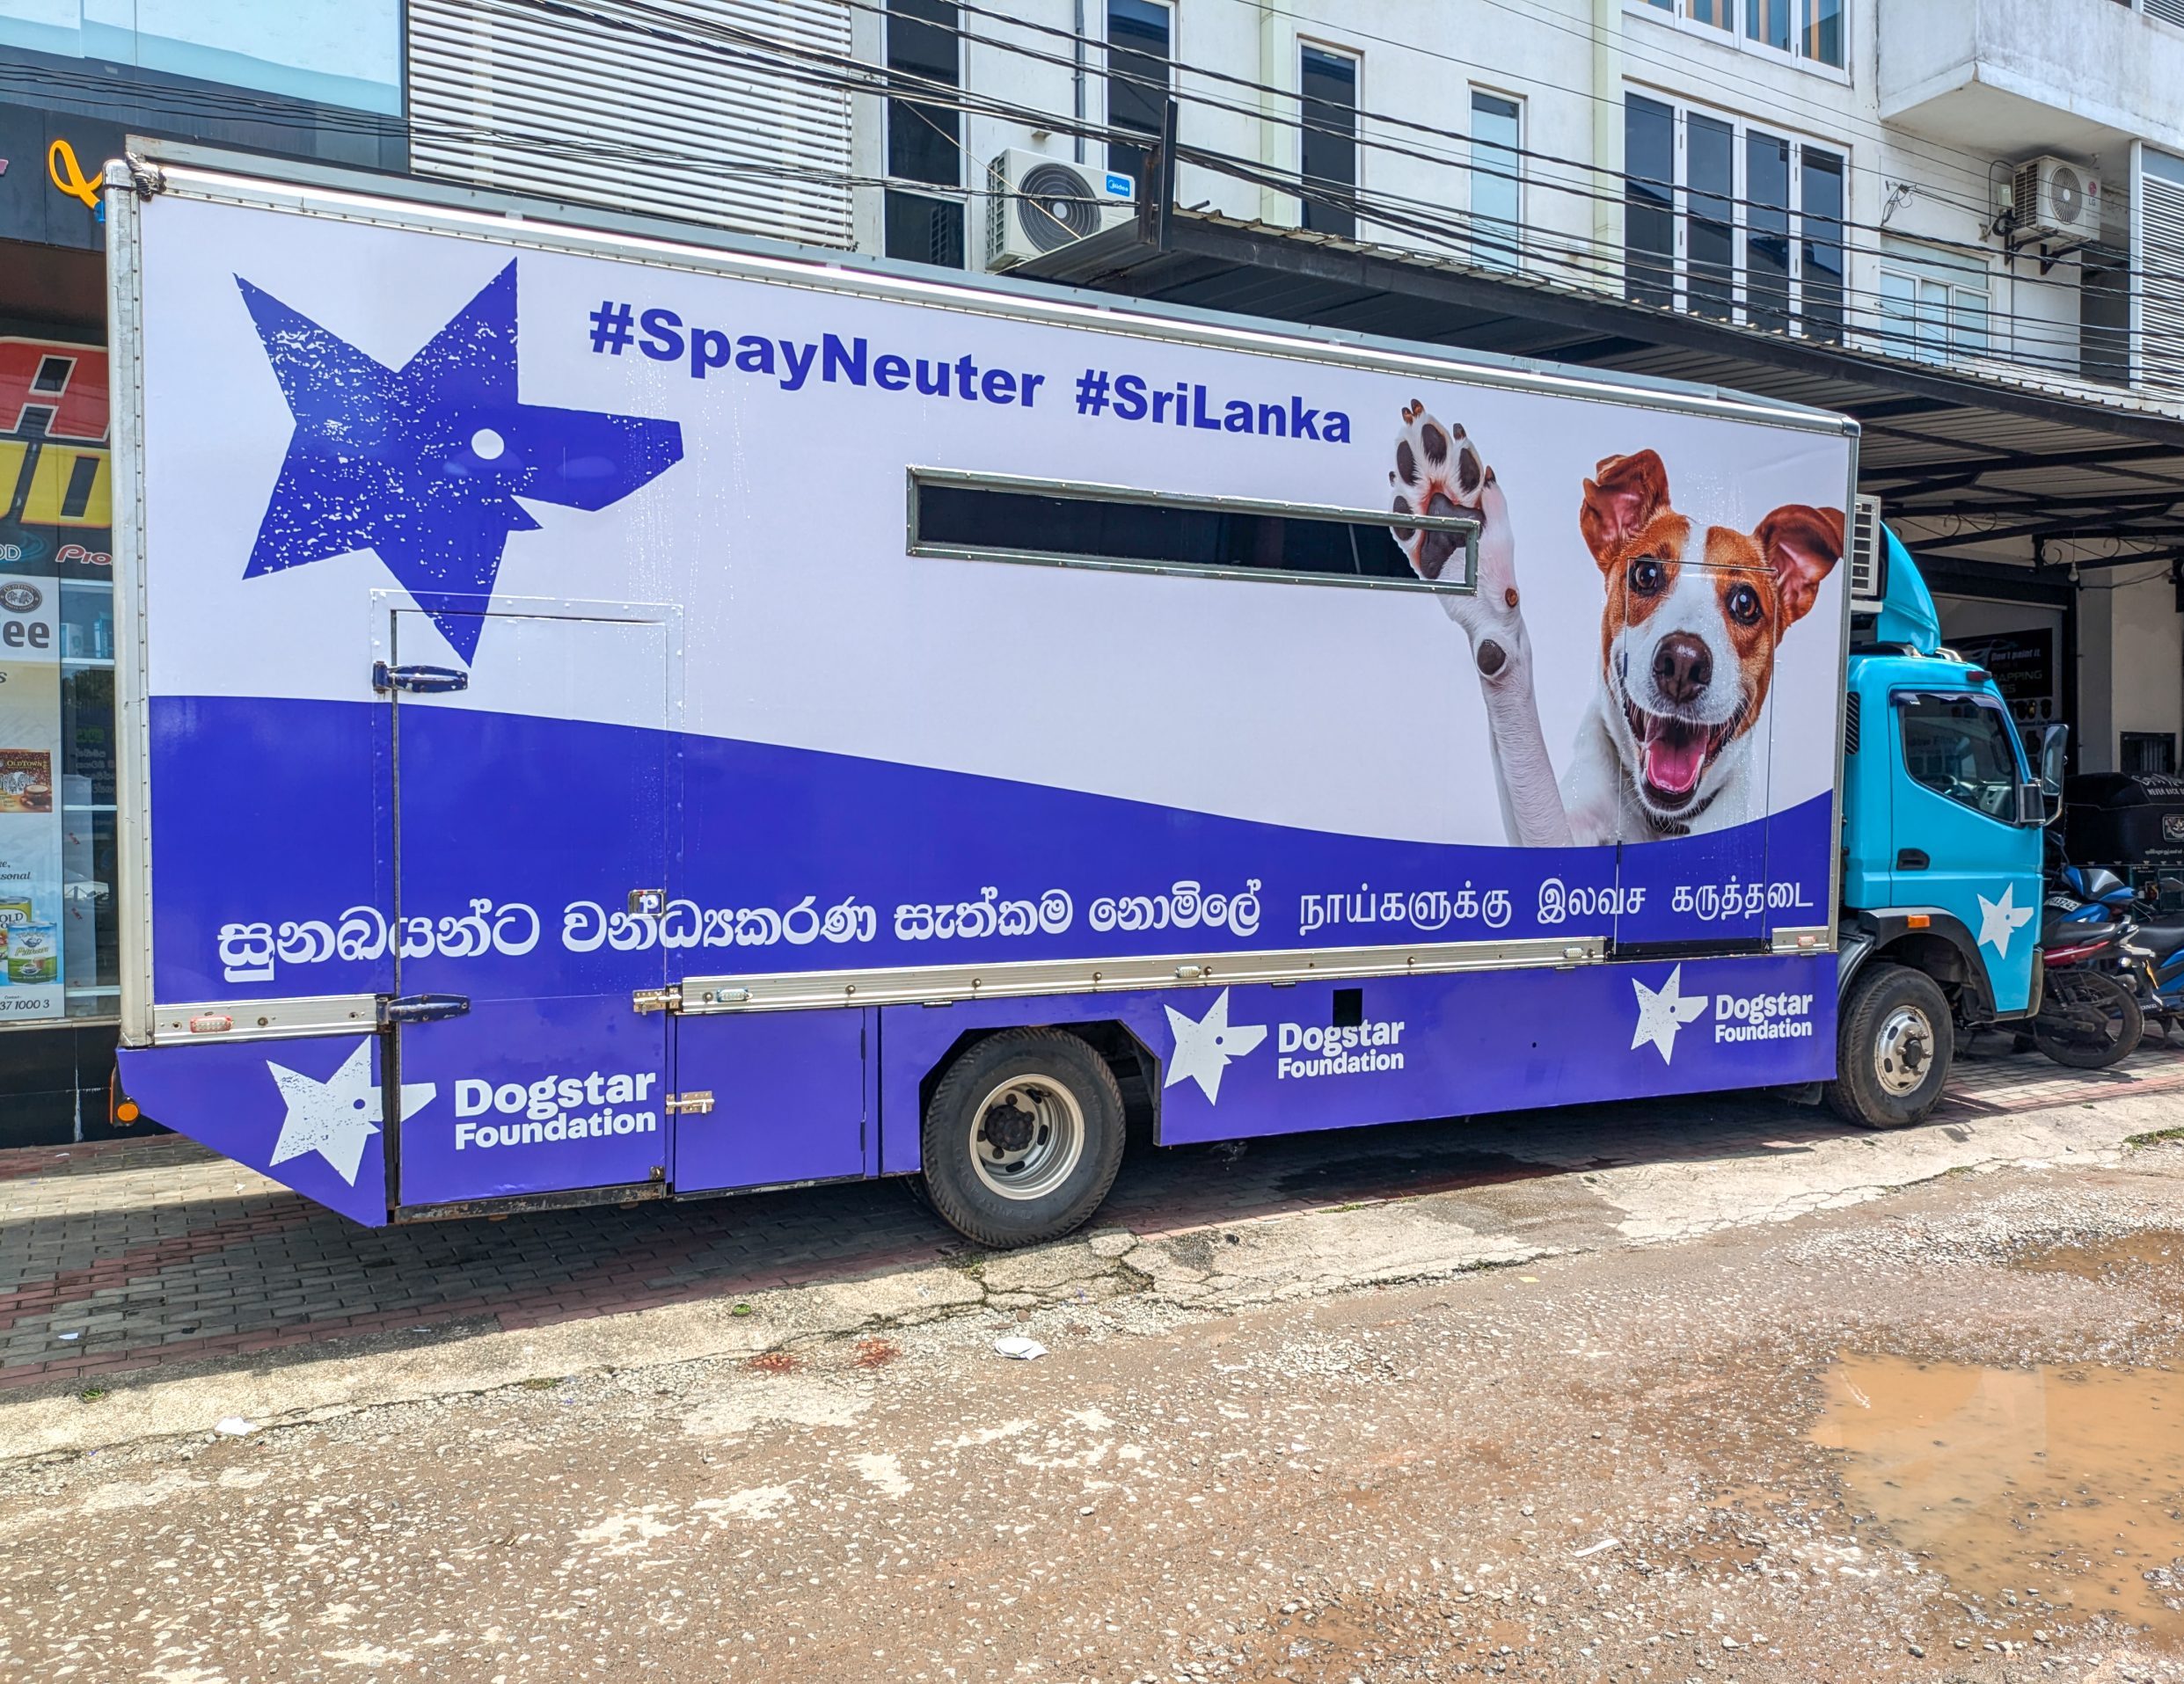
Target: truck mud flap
308,1113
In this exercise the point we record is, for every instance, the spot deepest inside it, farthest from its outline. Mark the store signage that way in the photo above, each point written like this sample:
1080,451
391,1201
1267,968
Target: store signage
66,173
2023,666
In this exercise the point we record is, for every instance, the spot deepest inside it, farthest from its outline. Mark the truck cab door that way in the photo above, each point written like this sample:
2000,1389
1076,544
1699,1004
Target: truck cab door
1958,847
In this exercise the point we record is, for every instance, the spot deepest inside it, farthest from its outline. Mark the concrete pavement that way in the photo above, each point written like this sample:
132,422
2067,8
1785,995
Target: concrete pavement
195,1290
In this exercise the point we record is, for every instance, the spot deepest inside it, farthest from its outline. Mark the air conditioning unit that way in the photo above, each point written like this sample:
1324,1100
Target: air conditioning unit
2055,198
1868,558
1035,204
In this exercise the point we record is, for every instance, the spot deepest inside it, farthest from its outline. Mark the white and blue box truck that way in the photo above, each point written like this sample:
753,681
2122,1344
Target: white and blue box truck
611,716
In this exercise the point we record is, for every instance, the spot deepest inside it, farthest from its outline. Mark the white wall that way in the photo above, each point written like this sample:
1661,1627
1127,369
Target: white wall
2148,659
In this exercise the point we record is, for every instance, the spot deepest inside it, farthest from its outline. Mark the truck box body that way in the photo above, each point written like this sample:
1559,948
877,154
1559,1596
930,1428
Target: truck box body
566,673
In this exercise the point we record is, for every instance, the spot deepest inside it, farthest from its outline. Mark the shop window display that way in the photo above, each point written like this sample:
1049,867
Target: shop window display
58,956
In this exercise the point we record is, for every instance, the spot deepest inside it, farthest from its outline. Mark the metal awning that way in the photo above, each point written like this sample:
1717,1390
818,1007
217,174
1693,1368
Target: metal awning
1982,461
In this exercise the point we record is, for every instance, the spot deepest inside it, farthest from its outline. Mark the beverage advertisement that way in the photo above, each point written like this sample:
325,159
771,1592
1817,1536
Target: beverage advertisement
31,908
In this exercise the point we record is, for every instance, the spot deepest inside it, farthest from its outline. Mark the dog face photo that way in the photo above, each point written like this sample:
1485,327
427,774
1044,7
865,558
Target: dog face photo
1692,616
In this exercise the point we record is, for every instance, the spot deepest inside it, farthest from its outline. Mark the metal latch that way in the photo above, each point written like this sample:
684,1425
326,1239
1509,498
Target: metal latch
423,1008
685,1104
647,903
667,999
421,681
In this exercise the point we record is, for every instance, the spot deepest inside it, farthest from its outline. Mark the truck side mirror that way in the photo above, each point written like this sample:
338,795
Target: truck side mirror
2046,745
2034,806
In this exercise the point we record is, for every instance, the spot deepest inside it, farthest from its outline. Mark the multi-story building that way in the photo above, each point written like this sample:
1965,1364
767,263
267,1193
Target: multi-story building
1960,220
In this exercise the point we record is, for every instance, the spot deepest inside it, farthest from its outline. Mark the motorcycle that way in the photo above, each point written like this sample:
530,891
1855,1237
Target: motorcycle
2089,1015
2155,958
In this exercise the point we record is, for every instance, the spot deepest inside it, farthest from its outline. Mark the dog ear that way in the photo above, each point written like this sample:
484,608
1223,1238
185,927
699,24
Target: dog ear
1624,494
1802,544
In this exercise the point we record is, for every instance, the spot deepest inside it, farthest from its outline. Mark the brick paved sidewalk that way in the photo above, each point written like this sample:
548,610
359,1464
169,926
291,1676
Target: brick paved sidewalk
126,1254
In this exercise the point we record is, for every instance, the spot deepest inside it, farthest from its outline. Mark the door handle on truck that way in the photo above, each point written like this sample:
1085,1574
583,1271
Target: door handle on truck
423,1008
419,681
1911,859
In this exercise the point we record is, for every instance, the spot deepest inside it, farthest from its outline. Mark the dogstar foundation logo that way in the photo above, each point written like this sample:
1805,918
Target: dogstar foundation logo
1999,919
335,1117
1204,1047
1662,1012
424,464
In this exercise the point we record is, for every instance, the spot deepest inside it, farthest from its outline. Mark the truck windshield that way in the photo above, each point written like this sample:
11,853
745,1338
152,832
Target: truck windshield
1960,746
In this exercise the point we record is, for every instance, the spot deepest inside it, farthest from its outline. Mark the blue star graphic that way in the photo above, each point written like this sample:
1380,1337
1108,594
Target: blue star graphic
424,464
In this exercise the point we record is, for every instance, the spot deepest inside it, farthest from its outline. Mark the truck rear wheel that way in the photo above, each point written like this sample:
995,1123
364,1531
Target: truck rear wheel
1023,1137
1892,1048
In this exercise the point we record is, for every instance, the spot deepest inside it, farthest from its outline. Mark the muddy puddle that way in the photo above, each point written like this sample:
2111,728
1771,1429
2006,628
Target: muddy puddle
2152,1257
2041,1492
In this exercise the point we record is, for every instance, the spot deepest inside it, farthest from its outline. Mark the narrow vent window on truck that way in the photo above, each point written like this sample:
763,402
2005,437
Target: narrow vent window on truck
991,517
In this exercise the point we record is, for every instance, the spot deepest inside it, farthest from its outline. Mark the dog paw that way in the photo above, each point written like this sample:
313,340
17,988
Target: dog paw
1437,471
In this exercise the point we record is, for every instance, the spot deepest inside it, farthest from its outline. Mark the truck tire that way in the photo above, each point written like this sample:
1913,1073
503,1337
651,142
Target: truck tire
1892,1048
1022,1138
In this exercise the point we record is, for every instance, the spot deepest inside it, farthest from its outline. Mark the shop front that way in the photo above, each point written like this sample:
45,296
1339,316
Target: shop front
58,962
70,98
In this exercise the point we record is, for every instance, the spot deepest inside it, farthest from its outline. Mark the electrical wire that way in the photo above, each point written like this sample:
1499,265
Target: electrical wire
1414,216
1420,218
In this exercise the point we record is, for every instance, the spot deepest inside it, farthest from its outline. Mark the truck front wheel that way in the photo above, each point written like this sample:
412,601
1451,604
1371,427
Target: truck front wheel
1022,1137
1892,1048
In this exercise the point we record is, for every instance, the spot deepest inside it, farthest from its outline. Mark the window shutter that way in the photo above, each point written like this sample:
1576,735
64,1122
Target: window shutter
2171,11
541,102
2160,261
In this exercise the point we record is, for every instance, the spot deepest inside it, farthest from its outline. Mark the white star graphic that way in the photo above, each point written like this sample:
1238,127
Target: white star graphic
1999,919
1203,1049
1662,1011
336,1117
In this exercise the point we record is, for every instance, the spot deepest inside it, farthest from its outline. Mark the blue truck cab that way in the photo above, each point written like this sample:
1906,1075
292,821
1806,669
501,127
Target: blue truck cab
1941,855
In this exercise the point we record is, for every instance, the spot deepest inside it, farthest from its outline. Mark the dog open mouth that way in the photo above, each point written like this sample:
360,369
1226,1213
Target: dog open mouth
1674,753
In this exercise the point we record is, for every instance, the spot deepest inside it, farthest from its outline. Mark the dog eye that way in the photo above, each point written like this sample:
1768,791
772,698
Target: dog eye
1646,575
1744,605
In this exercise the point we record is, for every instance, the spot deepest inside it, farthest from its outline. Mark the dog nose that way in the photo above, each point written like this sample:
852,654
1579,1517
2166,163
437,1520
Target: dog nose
1682,668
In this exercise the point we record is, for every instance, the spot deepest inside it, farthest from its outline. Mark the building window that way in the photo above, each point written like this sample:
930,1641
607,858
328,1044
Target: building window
1807,29
1731,220
2149,751
1140,46
1327,149
1710,215
1767,229
924,140
1497,181
1820,225
1649,201
924,229
1933,307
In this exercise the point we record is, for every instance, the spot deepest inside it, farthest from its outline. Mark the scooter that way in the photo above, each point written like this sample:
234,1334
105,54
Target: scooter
2155,956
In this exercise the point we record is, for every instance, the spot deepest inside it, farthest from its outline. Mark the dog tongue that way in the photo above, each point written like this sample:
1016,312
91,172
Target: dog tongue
1675,755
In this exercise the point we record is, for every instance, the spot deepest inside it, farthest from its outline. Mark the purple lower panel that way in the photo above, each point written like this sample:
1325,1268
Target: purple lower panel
308,1113
268,849
533,1095
789,1098
1257,1059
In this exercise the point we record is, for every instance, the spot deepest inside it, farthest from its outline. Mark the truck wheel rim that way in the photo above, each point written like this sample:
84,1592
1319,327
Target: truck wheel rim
1903,1050
1026,1137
